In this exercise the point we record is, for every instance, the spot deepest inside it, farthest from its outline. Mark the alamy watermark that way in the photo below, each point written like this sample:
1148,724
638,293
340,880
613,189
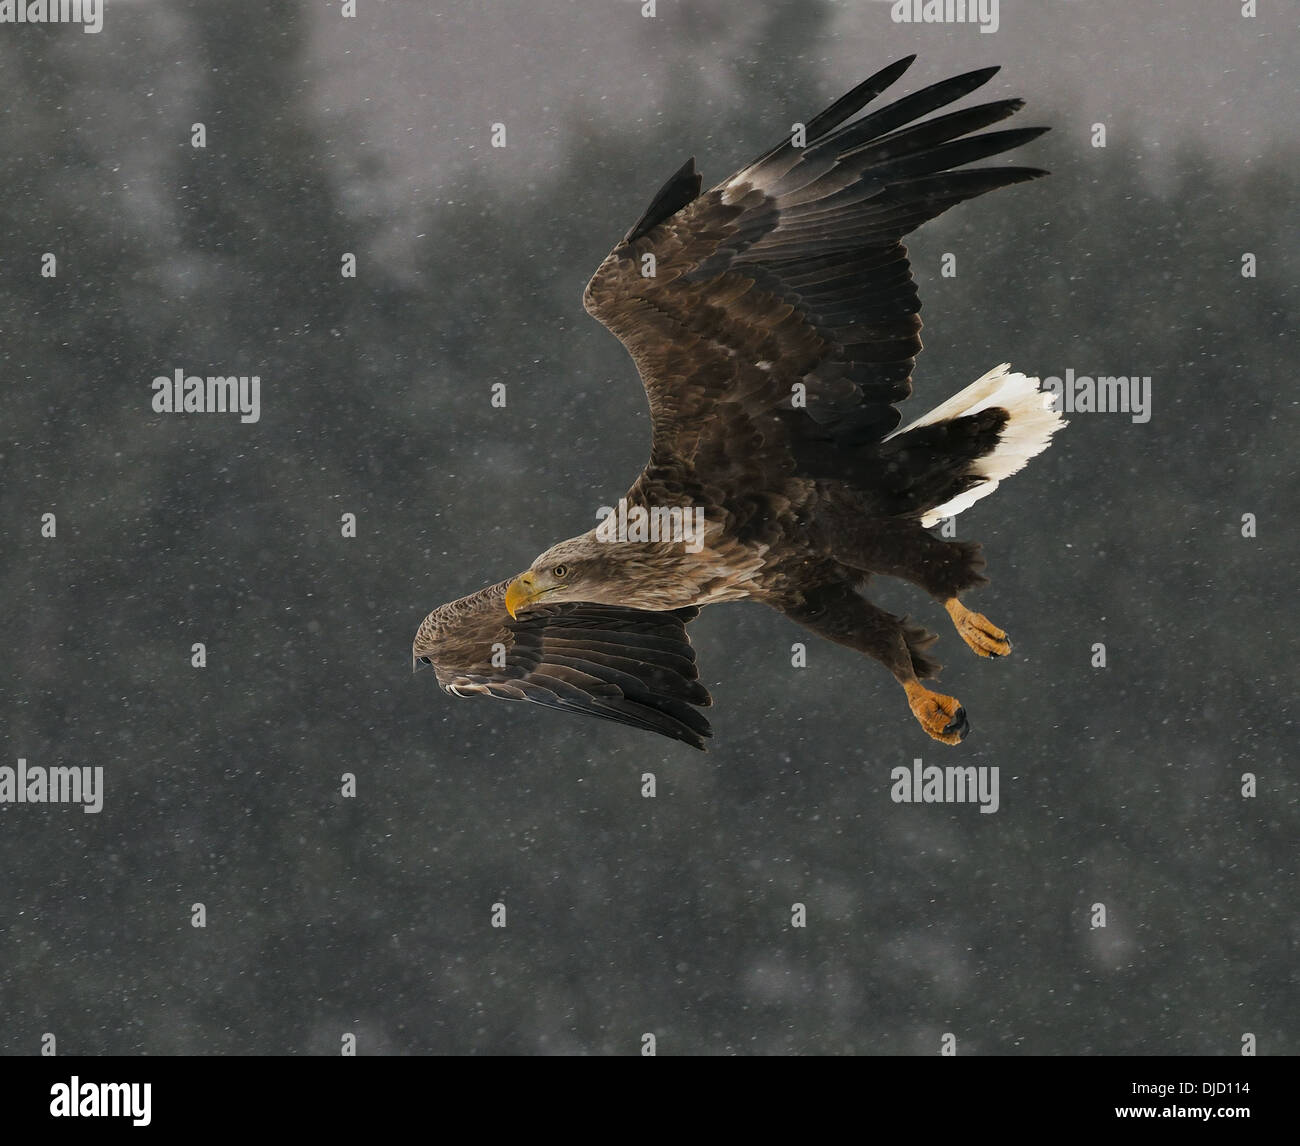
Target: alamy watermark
981,12
625,522
214,394
77,1099
37,785
1103,394
88,13
972,784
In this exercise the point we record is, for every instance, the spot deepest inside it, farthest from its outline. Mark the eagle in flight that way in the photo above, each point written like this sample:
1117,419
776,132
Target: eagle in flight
774,323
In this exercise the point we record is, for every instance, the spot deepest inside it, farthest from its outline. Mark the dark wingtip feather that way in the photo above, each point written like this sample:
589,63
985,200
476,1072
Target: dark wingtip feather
857,98
848,105
683,187
976,77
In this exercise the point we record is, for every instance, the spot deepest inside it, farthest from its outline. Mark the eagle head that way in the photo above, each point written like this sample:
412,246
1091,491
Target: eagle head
575,570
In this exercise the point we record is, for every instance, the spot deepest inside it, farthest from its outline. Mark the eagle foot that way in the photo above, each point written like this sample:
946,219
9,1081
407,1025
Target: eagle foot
983,636
941,716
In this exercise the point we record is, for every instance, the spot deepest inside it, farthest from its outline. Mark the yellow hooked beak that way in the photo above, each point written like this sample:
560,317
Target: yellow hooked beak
522,592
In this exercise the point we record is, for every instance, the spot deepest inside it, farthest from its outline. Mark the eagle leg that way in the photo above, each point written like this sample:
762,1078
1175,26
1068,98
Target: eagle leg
900,547
840,614
983,636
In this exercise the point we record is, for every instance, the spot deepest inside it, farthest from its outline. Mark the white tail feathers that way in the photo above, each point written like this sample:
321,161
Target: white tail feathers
1028,431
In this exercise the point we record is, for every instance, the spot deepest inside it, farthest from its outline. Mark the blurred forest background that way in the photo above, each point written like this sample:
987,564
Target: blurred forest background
325,915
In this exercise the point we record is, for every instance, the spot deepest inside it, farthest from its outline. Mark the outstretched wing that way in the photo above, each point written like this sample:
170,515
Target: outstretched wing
626,665
779,309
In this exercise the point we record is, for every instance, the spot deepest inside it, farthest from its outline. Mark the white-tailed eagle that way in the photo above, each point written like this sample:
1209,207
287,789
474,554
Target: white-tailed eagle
774,323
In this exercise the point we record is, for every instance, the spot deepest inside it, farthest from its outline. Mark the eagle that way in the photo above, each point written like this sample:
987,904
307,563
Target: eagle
774,322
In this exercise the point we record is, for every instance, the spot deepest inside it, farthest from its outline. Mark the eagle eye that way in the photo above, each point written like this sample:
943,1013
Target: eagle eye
560,572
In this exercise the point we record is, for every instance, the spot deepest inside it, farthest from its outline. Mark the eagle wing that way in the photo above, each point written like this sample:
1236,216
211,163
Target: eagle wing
775,317
626,665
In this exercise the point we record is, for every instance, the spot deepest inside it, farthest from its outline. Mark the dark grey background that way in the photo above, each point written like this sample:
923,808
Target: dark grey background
626,915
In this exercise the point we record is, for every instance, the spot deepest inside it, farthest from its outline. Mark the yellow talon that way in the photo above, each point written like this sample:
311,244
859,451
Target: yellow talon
941,716
983,636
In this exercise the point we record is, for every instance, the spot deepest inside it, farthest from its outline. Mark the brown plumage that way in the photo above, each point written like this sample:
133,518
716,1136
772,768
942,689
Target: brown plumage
774,323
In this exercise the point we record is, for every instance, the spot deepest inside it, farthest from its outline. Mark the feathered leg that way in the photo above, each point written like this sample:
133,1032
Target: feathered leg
840,614
901,548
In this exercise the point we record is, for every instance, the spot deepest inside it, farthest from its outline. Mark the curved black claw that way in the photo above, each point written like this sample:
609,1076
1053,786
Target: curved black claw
958,726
